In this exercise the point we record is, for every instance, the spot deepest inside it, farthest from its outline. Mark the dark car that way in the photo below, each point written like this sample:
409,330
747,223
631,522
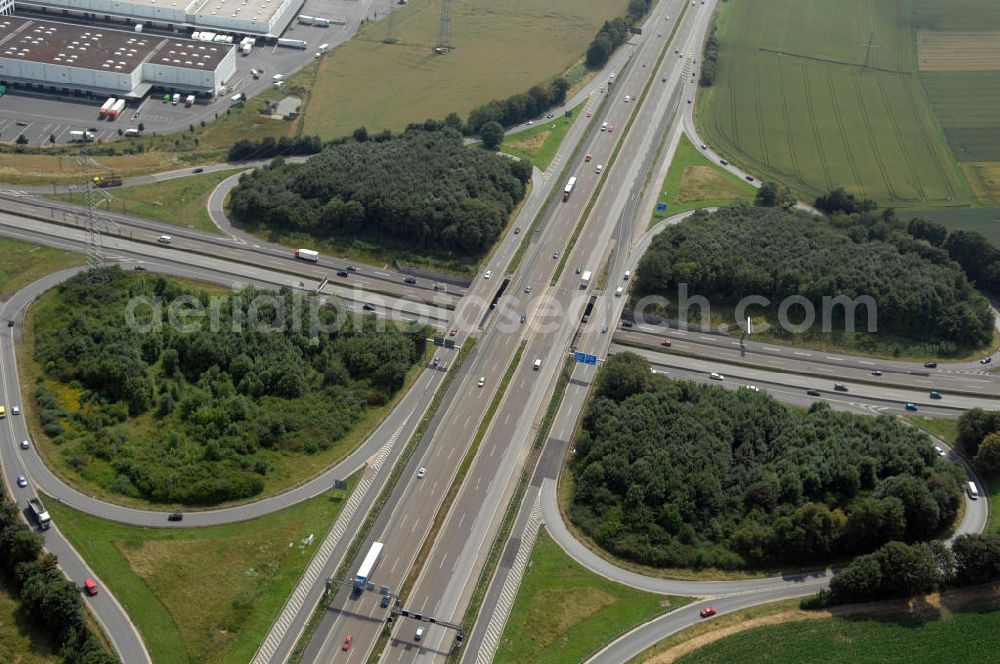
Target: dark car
749,178
930,365
368,307
813,393
723,162
876,372
410,280
986,360
935,394
666,342
342,273
198,170
840,387
626,323
176,516
352,268
385,601
139,268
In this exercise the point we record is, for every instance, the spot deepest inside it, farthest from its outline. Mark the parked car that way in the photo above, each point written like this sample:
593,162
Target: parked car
911,406
708,612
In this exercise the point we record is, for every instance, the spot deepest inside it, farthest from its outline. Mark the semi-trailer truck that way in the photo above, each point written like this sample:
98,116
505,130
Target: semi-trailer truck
38,511
103,113
81,136
293,43
569,188
116,110
307,255
585,279
103,181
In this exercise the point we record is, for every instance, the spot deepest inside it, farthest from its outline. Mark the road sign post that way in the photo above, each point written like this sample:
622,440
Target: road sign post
584,358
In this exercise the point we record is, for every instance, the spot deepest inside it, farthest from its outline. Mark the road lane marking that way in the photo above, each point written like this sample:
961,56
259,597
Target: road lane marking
803,354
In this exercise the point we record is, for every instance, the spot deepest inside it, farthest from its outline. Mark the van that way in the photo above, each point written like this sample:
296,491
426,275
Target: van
973,491
628,274
619,291
419,634
538,364
604,126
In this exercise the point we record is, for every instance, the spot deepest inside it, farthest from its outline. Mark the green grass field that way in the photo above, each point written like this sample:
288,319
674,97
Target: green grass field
801,98
202,594
693,181
563,612
985,220
179,201
22,263
539,145
966,104
968,634
500,49
958,15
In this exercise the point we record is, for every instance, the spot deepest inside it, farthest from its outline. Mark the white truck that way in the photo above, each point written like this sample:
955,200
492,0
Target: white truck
293,43
80,136
585,278
189,102
38,511
307,255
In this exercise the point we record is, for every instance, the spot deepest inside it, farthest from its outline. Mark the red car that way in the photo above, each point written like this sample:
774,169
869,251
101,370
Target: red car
708,612
611,128
587,158
347,642
453,332
90,586
667,342
588,114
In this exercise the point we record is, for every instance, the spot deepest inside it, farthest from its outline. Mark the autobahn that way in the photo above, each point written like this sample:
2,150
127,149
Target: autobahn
467,530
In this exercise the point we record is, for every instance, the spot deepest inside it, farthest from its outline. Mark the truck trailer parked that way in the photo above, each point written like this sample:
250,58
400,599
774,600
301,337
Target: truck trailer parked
103,113
116,110
38,511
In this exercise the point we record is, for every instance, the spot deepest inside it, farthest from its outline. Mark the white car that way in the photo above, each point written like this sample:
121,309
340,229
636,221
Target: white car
489,273
754,388
716,376
15,410
482,381
421,473
22,481
24,445
937,448
164,239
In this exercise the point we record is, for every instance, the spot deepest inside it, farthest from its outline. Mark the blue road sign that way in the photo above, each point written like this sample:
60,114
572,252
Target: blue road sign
585,358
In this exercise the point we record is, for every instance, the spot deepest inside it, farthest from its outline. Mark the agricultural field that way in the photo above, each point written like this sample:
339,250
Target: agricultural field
818,94
564,613
161,575
984,220
499,49
954,627
956,15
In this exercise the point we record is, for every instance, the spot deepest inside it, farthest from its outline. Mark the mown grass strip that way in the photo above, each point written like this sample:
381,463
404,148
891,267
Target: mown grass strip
383,497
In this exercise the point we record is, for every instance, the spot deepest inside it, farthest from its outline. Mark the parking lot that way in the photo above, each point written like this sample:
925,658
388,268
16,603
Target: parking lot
41,116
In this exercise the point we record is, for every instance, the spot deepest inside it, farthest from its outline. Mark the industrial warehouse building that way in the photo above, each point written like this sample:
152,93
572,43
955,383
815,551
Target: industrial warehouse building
262,18
66,58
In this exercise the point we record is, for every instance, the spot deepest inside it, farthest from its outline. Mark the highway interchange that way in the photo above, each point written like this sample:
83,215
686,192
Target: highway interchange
613,233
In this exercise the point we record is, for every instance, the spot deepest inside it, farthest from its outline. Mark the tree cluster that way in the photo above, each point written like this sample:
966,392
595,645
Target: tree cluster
838,200
518,108
977,256
200,416
611,35
709,61
48,599
672,474
772,194
979,437
424,189
898,570
268,147
919,292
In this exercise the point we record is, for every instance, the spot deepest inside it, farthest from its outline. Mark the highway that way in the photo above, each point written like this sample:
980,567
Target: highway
614,234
